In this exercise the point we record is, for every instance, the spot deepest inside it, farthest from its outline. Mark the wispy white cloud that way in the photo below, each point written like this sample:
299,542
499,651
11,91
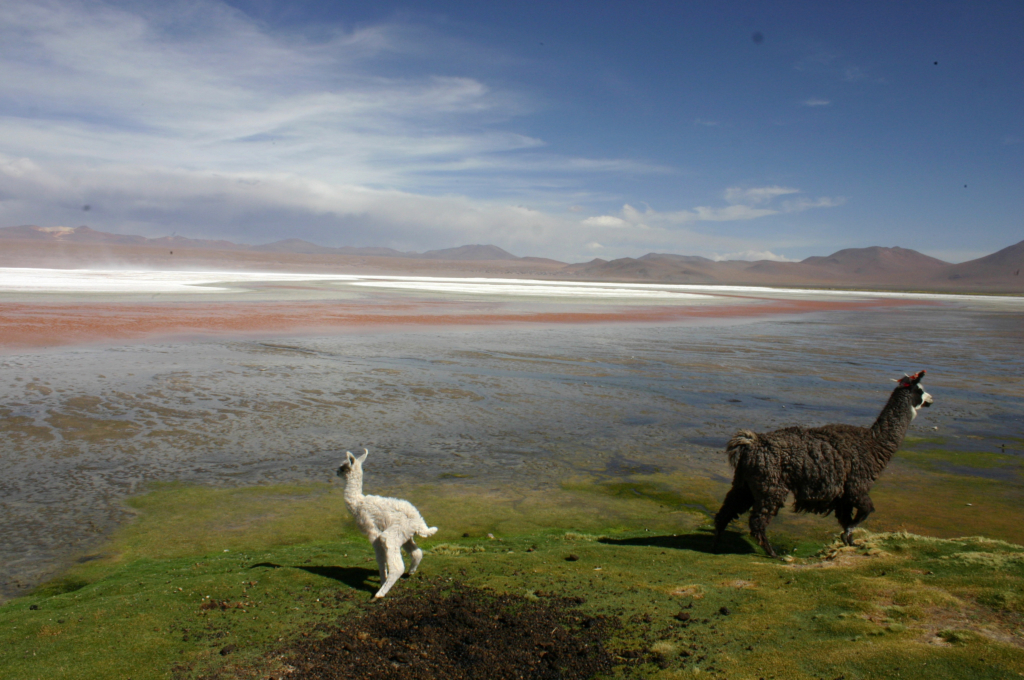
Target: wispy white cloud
730,213
650,218
746,204
801,204
756,195
751,255
632,232
606,221
706,123
816,101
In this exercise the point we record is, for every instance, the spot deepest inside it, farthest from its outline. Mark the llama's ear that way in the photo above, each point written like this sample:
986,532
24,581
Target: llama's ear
361,458
911,380
349,457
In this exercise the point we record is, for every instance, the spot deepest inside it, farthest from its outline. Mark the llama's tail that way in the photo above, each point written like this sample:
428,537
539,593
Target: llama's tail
738,446
426,531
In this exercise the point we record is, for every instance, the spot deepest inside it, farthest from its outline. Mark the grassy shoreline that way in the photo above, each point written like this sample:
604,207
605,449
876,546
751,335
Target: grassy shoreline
251,570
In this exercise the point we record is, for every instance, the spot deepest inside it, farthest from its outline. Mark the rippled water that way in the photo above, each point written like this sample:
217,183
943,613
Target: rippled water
83,428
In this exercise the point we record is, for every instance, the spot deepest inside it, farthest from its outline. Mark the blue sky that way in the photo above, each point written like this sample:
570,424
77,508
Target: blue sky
570,130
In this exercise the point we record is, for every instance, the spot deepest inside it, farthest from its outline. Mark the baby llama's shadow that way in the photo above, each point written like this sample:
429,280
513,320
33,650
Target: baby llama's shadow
357,578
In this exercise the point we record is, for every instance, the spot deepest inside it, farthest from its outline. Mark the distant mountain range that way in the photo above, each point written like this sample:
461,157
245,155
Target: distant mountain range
289,245
87,235
874,267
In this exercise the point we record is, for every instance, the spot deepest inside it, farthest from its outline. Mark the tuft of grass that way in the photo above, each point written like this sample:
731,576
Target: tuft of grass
989,560
1009,600
60,586
664,648
450,549
958,637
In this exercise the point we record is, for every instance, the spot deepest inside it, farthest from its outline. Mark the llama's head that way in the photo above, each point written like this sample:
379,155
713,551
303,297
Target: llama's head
352,464
918,397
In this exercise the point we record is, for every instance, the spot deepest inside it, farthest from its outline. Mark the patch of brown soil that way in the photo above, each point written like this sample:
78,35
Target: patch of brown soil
459,635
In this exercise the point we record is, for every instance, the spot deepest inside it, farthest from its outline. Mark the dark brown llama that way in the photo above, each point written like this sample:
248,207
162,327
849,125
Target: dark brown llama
828,469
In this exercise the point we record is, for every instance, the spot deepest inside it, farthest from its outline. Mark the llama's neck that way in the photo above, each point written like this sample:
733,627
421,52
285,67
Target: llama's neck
891,425
354,490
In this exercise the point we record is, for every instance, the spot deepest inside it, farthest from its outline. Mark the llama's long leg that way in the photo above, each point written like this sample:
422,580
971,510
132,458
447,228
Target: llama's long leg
737,501
393,551
382,564
415,555
760,517
864,508
844,513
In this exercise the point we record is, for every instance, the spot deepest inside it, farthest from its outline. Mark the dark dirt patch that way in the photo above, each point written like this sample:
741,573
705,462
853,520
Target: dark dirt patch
460,634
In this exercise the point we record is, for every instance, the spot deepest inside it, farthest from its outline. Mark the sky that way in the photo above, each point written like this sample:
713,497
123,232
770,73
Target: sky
570,130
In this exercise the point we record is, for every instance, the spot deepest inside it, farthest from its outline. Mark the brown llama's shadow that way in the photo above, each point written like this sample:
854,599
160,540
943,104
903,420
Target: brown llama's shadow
356,578
732,542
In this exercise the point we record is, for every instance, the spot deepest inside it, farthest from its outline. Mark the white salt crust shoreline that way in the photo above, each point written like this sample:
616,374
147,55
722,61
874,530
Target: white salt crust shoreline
128,282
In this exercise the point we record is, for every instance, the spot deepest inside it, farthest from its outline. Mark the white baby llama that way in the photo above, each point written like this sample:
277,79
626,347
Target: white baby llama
389,523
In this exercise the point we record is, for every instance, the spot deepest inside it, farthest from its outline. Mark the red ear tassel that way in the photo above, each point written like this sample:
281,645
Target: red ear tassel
908,380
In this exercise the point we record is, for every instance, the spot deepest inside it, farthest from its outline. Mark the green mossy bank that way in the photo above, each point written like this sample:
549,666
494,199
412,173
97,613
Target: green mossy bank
217,582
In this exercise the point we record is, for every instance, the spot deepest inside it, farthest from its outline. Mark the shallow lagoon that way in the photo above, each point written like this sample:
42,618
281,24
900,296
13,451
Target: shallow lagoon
502,407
